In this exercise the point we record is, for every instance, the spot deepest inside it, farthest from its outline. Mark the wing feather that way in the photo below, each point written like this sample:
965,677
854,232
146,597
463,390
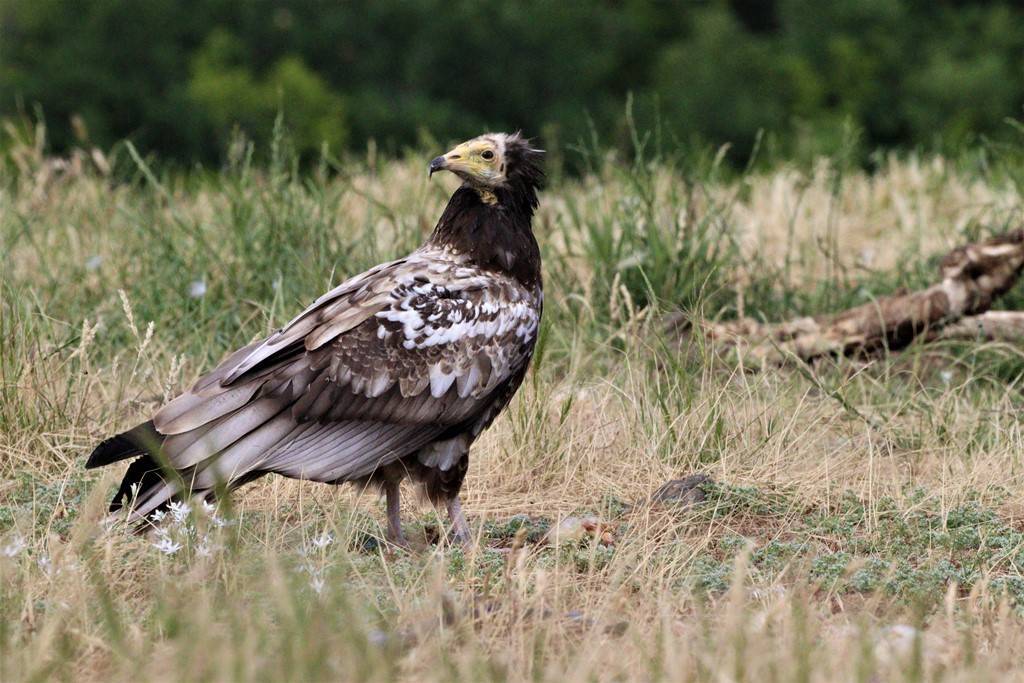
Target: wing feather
345,450
190,410
317,401
227,431
245,455
307,329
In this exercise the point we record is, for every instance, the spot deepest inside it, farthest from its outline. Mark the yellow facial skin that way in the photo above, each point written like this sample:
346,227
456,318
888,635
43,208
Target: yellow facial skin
480,161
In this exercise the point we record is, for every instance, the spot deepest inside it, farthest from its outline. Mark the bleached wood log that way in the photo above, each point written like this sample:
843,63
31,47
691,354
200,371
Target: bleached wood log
973,276
1007,326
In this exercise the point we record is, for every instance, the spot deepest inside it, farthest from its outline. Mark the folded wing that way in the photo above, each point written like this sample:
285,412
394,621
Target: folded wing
372,371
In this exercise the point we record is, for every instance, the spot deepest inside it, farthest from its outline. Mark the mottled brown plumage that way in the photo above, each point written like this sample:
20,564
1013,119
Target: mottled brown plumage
393,373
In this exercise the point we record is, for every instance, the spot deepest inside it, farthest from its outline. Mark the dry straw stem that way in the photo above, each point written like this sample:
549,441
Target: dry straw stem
973,277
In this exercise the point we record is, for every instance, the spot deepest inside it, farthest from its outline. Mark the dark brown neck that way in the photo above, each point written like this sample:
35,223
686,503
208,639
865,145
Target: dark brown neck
495,235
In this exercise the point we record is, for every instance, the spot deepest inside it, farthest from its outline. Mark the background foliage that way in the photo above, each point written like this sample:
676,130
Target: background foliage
834,75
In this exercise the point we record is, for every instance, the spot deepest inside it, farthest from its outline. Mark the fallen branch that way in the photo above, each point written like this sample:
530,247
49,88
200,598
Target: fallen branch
1007,326
973,277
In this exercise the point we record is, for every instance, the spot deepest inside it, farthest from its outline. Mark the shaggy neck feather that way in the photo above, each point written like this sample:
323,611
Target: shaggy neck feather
495,235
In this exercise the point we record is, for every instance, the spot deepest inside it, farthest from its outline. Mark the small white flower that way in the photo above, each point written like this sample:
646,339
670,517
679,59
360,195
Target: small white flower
323,540
94,262
197,289
180,511
210,510
946,376
317,584
158,516
14,547
167,546
206,548
46,564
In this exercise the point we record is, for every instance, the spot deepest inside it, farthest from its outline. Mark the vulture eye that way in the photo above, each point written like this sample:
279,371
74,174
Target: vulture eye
487,154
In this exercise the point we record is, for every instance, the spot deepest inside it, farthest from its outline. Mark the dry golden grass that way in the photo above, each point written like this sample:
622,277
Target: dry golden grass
865,524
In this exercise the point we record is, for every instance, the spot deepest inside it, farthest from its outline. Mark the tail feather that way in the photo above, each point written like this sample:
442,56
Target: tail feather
144,475
156,477
137,441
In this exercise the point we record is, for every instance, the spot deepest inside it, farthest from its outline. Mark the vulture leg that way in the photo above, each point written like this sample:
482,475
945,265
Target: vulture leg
460,527
395,534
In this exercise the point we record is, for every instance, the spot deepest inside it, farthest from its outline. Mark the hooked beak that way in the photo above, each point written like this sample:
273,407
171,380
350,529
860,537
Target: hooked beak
437,164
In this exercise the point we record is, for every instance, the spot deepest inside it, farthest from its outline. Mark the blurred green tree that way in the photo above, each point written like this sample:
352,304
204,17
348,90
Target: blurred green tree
227,93
177,76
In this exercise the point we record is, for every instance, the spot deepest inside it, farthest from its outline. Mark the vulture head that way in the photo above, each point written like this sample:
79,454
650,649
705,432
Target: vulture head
494,161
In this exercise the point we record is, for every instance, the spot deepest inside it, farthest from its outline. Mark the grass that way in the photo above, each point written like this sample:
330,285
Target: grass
864,522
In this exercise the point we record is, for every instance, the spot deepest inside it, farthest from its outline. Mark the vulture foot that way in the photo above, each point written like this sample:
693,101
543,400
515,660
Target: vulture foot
395,535
460,527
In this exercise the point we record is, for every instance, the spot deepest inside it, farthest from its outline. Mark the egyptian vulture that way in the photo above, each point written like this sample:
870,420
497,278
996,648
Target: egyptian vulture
392,374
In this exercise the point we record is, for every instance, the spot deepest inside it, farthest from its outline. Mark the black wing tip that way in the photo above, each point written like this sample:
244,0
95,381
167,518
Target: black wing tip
136,441
110,451
141,475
